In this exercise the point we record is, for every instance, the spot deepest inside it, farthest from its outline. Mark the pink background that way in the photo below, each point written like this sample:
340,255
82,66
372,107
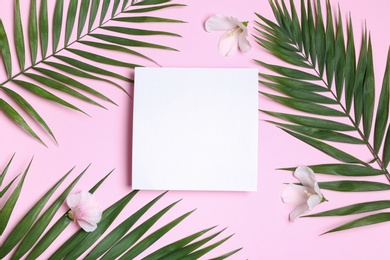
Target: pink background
258,219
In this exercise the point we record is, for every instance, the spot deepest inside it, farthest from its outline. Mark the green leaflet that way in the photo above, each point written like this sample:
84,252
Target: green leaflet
224,256
114,8
306,106
150,2
359,80
29,109
350,67
312,33
61,87
5,170
186,250
276,41
131,238
305,29
330,45
354,209
330,150
101,59
115,48
299,94
368,92
124,4
150,9
129,42
354,186
383,108
293,73
321,133
343,170
82,16
71,16
6,188
57,23
146,19
87,67
312,121
320,39
81,73
152,238
94,11
203,251
339,57
296,32
286,55
106,4
5,50
71,82
6,211
133,31
273,30
19,39
293,83
33,31
177,245
115,235
365,221
43,27
18,119
45,94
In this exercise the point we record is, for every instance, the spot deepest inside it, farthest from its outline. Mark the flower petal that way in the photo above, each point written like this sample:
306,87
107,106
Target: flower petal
220,22
306,176
298,211
228,44
313,201
294,194
243,42
88,227
73,200
317,190
92,215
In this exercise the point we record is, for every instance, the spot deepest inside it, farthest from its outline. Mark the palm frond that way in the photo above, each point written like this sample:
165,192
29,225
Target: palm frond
37,230
85,22
322,74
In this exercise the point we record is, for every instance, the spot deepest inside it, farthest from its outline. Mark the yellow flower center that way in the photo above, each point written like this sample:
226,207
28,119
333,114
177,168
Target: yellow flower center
234,31
308,194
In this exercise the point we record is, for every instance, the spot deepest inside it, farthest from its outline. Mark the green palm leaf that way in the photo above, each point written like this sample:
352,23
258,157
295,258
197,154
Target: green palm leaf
321,74
35,232
43,29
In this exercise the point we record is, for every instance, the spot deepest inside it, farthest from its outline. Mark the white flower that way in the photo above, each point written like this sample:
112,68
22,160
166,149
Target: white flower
235,35
84,210
305,196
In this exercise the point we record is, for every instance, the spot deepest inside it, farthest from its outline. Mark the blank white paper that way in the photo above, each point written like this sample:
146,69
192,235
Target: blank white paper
195,129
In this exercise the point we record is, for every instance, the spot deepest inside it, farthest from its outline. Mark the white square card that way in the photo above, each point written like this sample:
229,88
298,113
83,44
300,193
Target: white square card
195,129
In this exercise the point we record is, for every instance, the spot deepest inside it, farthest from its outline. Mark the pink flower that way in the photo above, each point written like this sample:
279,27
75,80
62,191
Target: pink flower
235,36
84,210
305,196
